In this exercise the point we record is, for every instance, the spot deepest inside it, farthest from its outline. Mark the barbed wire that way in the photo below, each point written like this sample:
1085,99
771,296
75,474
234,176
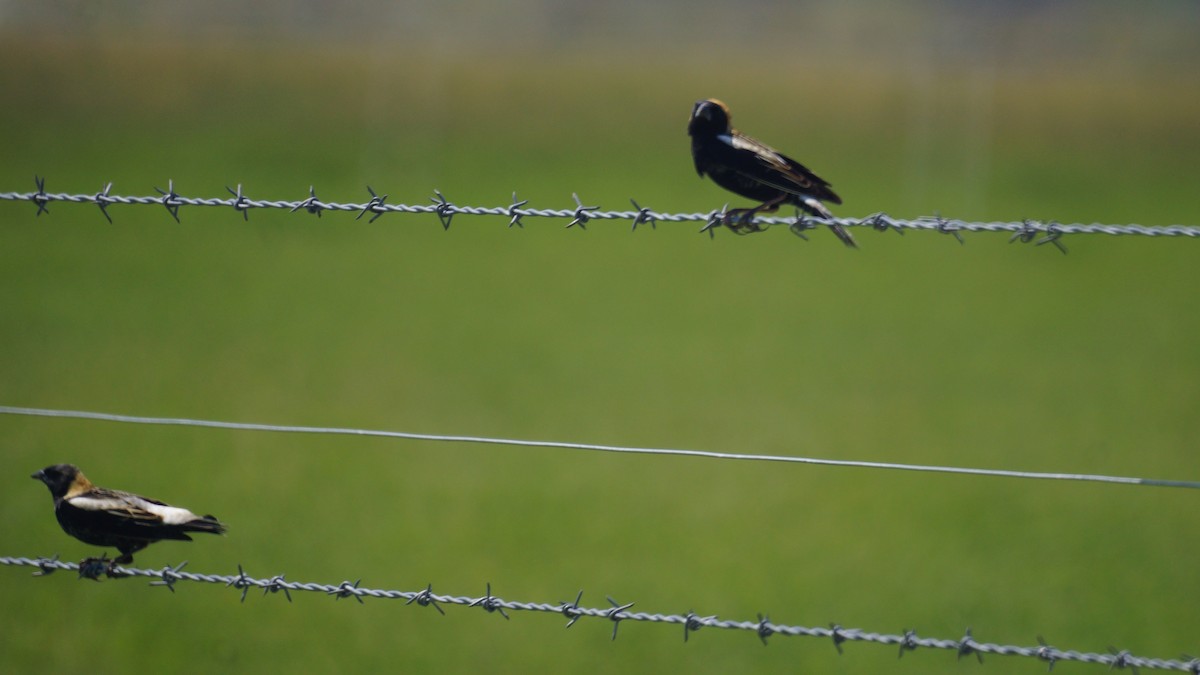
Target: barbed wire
763,627
709,454
1025,231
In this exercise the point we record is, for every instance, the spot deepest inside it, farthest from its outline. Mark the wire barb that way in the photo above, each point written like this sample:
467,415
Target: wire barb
241,582
715,220
1027,232
425,598
571,610
967,646
40,197
46,566
908,642
1053,235
614,614
513,214
274,585
103,200
692,623
835,632
240,202
347,590
881,223
168,576
582,213
945,227
170,199
1046,653
764,628
445,210
1121,660
311,204
375,206
643,216
489,603
800,225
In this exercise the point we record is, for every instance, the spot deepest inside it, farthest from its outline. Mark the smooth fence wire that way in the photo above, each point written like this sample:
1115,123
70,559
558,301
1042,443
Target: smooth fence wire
580,215
672,452
615,613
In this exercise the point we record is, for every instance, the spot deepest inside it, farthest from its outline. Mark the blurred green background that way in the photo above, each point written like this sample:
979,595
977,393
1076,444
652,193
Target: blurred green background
912,349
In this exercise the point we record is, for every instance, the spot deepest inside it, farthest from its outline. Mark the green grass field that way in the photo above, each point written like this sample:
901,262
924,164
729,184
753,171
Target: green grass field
912,349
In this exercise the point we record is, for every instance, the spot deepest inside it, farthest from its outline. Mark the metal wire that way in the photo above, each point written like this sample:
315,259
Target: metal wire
247,426
616,612
1025,231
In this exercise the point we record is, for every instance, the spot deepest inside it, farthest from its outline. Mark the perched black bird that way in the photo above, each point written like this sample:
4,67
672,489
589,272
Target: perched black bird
752,169
101,517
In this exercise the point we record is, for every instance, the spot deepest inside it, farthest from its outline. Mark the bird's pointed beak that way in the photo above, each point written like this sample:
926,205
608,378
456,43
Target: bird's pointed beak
37,475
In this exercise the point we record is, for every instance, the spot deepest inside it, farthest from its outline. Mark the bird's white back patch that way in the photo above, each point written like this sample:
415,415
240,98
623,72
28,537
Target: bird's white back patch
727,139
170,515
98,503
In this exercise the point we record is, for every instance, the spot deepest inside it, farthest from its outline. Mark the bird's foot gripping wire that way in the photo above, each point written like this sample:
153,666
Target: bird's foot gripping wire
741,221
93,568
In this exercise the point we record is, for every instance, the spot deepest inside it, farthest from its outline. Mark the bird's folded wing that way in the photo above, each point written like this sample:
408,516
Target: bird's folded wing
782,172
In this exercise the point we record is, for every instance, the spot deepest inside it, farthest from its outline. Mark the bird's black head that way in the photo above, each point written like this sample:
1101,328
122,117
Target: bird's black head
710,117
58,478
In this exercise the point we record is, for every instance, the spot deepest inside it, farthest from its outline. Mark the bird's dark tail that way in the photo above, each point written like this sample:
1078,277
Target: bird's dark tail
843,235
818,209
208,524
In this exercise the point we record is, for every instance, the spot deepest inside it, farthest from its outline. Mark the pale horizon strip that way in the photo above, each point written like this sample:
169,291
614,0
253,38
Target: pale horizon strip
708,454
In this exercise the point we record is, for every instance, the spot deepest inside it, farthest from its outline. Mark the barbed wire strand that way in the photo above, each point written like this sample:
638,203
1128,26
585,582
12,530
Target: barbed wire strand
709,454
616,612
1025,231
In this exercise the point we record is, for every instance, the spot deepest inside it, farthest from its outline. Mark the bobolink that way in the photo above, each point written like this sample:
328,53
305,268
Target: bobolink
102,517
752,169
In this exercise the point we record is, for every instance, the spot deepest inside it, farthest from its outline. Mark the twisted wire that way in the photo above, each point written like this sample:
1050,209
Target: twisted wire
763,627
1024,231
